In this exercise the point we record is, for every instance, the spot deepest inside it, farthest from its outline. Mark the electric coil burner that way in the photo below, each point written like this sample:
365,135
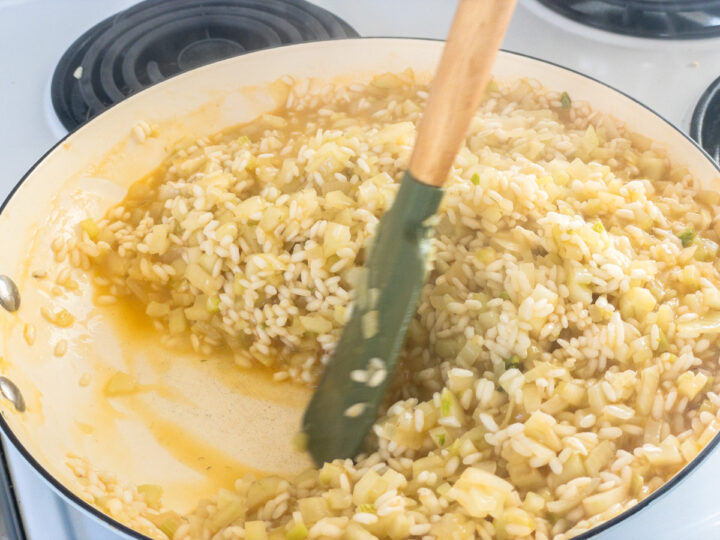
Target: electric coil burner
705,122
666,19
157,39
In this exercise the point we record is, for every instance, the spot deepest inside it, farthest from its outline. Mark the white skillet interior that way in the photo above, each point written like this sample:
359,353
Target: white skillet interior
227,418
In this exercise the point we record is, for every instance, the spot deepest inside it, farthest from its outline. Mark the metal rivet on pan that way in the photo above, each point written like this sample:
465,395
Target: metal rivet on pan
10,390
9,294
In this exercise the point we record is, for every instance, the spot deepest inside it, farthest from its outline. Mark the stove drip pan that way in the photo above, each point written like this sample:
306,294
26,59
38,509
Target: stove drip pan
157,39
663,19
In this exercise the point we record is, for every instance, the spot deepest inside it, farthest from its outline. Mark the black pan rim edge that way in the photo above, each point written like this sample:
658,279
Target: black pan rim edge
114,524
15,527
699,115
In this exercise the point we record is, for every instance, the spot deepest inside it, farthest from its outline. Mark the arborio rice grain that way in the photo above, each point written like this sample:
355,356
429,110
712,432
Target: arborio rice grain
561,364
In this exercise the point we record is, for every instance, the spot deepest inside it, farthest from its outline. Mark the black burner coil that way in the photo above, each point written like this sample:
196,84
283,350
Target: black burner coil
157,39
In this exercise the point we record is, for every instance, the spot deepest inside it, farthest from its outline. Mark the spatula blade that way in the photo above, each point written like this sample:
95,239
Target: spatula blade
346,401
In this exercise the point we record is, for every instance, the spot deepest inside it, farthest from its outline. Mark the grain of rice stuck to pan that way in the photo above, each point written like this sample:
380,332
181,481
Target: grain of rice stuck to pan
561,366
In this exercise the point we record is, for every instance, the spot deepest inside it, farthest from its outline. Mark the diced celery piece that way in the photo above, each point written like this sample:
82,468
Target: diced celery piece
596,398
448,348
667,453
689,448
157,239
90,226
470,352
709,197
637,303
534,502
338,499
572,468
572,392
313,509
201,279
386,81
649,380
394,479
636,484
486,255
232,510
255,530
336,236
296,532
706,250
532,398
652,167
690,384
157,309
152,494
369,488
263,490
396,525
315,323
431,462
540,427
357,532
524,476
337,199
515,517
198,311
167,522
599,457
599,502
554,405
707,324
272,217
480,493
690,277
330,475
213,304
176,321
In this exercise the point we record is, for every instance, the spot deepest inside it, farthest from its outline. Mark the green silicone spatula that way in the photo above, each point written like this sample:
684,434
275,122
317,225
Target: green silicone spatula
346,401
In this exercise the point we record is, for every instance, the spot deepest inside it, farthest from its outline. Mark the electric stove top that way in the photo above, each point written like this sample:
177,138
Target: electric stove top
84,56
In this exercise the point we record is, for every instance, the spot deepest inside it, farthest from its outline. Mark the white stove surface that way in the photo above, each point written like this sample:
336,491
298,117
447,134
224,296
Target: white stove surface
668,76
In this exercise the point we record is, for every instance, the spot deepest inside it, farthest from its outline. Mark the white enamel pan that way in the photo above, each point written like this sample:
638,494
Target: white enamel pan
196,426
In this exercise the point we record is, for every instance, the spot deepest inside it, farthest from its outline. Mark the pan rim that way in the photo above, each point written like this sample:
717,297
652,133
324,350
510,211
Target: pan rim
113,524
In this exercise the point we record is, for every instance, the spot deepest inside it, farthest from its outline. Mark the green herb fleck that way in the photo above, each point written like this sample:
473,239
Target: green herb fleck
445,405
565,100
366,507
598,227
441,439
504,295
687,236
512,362
475,179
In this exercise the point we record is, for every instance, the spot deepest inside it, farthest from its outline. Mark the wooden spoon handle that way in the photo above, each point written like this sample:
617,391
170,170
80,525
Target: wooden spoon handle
455,94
